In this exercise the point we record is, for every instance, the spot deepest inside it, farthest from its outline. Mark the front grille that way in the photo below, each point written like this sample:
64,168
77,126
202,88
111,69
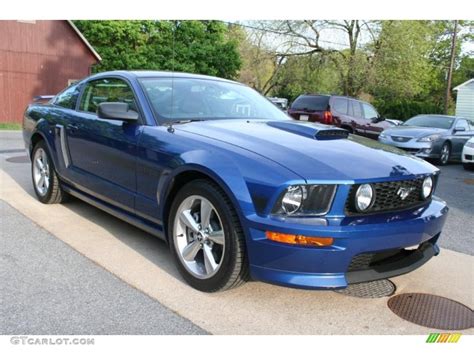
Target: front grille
387,196
401,139
410,150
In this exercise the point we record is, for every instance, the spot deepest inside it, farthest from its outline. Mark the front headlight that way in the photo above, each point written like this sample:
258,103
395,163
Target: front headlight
364,197
305,200
470,144
430,138
427,187
383,136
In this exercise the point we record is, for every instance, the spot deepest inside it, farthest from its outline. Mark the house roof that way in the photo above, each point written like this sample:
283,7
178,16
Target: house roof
86,42
464,84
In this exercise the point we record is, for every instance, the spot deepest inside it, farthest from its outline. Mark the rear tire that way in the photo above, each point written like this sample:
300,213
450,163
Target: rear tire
46,182
444,155
209,252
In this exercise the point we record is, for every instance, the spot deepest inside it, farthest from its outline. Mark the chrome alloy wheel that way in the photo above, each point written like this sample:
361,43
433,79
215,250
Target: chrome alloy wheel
41,172
199,237
445,154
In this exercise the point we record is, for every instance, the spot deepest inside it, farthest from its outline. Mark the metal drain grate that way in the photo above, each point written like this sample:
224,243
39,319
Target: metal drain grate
432,311
19,159
372,289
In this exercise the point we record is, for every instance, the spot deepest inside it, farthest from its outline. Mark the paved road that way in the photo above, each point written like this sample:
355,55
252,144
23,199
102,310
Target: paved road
93,298
46,287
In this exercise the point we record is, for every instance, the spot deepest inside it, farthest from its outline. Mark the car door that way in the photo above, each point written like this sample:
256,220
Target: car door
103,151
339,110
357,118
460,135
371,127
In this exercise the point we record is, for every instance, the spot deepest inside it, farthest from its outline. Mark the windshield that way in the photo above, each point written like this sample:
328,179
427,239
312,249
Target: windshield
175,99
444,122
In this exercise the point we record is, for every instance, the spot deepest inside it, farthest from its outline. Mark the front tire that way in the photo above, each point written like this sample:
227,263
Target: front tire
444,155
206,239
45,180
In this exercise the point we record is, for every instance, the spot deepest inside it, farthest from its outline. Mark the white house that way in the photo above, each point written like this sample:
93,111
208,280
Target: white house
465,99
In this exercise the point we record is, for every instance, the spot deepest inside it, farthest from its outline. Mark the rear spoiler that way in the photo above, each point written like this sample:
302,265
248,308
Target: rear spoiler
42,98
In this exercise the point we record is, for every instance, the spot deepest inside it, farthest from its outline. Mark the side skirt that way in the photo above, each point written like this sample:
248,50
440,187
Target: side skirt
148,227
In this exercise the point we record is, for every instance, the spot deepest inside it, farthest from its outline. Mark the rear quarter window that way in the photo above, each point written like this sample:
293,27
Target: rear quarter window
339,105
310,102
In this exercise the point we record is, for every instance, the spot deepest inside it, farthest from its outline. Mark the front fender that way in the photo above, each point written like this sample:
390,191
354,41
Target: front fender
217,167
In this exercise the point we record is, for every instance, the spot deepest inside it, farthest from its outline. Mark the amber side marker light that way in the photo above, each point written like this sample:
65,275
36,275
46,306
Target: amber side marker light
299,239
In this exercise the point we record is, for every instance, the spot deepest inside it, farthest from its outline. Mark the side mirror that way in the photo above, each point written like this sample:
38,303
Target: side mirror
377,119
459,129
116,111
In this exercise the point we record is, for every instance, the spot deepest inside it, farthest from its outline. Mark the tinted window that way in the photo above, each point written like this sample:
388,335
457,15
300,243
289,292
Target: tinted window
311,102
462,124
471,125
68,97
369,111
444,122
340,105
356,109
106,90
189,98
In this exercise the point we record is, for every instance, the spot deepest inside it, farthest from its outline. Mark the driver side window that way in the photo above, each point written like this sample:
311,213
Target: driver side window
369,111
462,124
106,90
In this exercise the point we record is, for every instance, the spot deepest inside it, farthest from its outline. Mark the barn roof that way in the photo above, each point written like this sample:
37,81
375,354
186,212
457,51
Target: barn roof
86,42
464,84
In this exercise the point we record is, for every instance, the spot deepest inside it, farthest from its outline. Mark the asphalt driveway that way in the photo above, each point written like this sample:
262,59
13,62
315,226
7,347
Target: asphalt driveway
104,271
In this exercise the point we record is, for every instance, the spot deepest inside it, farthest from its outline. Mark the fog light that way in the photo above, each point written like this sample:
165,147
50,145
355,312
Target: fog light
364,197
299,239
427,187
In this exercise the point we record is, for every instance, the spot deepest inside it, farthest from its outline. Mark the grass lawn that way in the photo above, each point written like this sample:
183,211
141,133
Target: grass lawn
11,126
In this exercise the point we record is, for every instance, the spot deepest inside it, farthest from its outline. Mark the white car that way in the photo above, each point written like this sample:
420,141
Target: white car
468,155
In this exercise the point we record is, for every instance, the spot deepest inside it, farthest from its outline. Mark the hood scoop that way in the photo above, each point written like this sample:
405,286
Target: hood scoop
310,130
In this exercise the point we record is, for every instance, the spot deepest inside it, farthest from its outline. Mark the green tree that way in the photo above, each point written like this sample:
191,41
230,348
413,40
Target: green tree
192,46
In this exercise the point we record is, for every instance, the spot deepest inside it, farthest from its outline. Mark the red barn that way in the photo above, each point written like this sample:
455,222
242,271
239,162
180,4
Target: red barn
39,58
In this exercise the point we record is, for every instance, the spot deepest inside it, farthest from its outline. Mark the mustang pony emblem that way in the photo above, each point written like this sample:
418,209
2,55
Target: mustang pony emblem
403,192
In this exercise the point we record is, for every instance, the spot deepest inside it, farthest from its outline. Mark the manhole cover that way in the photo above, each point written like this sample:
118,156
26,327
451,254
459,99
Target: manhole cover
372,289
19,159
431,311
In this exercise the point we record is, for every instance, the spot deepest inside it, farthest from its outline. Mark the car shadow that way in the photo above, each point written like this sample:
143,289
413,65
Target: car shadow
152,248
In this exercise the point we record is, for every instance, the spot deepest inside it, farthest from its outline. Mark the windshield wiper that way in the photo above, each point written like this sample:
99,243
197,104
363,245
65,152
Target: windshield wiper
186,121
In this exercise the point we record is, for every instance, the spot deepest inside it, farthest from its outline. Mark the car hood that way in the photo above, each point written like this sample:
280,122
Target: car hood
413,131
293,145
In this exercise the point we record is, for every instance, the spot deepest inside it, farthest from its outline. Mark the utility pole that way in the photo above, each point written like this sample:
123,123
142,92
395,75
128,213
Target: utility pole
447,96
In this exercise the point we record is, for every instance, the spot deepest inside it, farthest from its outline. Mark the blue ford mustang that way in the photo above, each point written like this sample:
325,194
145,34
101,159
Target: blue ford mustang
235,186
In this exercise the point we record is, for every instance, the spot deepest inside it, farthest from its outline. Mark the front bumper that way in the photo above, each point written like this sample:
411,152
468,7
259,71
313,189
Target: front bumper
425,150
468,155
332,267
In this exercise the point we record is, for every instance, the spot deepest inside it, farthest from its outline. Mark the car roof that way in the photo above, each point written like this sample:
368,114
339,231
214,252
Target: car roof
330,95
157,74
437,115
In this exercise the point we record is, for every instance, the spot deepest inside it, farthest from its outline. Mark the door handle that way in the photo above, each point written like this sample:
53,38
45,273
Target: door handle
73,126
